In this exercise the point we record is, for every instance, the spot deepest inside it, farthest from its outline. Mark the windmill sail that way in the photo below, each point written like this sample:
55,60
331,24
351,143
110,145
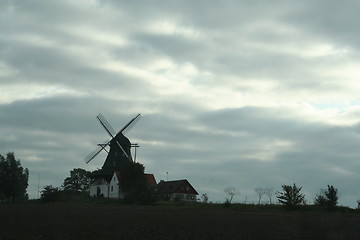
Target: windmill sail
106,125
130,124
120,146
94,153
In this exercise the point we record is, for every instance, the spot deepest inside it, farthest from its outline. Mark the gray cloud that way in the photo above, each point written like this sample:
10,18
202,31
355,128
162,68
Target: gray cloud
330,19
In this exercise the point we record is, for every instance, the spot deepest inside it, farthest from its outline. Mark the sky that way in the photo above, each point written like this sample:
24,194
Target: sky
240,94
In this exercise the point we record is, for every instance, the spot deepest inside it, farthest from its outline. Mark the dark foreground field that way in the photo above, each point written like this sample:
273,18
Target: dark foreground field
70,221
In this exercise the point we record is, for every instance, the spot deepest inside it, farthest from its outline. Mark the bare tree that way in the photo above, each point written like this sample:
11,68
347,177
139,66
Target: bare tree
205,198
260,192
230,192
269,192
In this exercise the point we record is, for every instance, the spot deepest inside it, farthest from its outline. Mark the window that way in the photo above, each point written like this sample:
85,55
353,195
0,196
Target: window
179,196
190,197
112,188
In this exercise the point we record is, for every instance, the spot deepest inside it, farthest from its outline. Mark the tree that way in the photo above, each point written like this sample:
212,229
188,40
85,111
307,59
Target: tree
13,179
50,193
230,192
327,198
133,176
78,181
291,196
55,194
135,186
260,192
331,197
269,192
205,198
320,199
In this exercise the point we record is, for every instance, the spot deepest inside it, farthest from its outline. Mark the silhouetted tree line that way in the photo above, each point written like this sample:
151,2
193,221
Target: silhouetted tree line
291,197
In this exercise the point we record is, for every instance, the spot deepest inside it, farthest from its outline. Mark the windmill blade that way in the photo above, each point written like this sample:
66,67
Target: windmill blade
130,124
94,153
122,149
104,146
109,129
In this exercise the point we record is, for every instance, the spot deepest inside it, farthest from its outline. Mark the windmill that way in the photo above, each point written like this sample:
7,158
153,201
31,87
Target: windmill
119,155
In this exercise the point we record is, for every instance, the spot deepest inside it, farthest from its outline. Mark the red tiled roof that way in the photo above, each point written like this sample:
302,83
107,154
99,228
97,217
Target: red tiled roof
118,175
177,186
150,179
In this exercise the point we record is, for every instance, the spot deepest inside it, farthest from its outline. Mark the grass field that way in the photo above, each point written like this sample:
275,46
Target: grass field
113,221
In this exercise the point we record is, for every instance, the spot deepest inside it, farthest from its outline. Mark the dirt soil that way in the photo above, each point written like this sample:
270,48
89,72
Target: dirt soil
70,221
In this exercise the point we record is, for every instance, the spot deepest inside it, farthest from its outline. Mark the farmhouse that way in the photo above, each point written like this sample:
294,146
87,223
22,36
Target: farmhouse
110,187
177,190
106,182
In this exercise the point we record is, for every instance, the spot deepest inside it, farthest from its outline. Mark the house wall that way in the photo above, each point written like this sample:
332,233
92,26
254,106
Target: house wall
178,190
183,197
108,190
99,189
114,189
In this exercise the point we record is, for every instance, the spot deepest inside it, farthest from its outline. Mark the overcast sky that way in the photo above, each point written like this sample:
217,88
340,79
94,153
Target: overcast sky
232,93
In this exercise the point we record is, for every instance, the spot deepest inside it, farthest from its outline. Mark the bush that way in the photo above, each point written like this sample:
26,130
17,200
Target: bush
54,194
50,194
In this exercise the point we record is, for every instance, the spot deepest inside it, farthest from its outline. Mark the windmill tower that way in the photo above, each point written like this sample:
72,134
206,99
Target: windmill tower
119,155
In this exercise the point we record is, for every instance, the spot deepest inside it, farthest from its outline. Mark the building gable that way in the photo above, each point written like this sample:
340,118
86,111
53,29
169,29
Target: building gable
178,186
150,179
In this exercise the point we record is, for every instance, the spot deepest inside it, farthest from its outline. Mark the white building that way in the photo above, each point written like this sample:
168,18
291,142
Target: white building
111,189
180,190
103,188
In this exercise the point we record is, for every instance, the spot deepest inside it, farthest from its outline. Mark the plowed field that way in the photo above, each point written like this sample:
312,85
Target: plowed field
69,221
